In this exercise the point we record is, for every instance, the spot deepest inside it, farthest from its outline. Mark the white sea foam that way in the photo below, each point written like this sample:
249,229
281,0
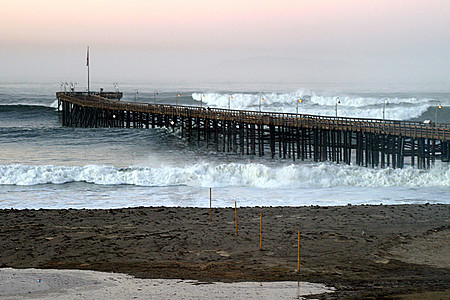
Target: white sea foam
52,105
313,104
229,175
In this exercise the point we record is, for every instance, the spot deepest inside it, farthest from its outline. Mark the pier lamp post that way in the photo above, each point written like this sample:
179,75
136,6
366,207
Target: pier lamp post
438,106
155,93
260,102
178,96
385,102
72,86
229,101
299,101
338,101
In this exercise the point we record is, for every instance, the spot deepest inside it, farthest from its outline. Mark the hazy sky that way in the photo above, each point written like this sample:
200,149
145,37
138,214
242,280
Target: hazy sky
227,40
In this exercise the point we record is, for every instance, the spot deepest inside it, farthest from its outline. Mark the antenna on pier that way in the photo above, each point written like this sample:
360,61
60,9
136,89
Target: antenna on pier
87,65
116,86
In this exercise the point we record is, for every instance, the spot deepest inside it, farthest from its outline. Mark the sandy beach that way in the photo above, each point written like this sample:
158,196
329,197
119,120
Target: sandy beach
361,251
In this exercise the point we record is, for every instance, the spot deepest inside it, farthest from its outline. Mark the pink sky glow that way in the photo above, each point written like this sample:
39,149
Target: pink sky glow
164,22
341,30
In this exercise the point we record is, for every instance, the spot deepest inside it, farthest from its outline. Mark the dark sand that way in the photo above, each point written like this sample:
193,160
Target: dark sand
363,251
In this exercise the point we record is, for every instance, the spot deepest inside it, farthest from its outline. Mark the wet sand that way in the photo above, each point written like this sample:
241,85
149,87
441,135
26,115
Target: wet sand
81,284
362,251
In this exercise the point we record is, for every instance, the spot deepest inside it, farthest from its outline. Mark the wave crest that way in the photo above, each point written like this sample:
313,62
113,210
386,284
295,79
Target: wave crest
54,104
231,174
313,104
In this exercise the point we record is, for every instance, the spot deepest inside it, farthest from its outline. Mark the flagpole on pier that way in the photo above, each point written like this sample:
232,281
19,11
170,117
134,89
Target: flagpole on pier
87,65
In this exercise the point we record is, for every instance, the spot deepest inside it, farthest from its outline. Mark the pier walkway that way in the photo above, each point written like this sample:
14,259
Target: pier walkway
367,142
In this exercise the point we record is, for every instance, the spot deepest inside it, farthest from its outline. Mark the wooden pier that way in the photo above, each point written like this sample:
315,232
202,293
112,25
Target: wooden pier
366,142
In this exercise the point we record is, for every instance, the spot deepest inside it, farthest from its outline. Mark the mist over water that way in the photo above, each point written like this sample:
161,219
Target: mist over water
43,164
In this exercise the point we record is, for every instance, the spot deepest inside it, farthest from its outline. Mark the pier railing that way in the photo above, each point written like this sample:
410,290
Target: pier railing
439,131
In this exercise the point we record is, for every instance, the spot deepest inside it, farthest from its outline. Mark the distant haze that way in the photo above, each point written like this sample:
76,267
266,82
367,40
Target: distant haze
226,41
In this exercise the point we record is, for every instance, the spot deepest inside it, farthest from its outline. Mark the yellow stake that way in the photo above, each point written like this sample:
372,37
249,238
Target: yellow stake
235,216
298,258
260,232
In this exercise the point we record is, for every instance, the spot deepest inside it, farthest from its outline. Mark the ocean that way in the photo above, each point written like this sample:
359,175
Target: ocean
45,165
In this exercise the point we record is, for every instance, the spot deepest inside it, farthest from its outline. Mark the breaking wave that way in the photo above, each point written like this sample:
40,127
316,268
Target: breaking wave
54,104
349,106
230,174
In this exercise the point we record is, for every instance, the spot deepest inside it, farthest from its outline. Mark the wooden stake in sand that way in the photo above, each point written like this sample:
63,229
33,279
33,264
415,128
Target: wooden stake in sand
298,258
210,204
235,217
260,232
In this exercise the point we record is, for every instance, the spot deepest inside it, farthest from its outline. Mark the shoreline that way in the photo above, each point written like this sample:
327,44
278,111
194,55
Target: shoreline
361,250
